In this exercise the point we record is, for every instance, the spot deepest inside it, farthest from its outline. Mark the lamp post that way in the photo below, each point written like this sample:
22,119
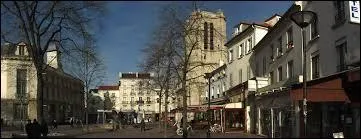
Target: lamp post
303,19
208,76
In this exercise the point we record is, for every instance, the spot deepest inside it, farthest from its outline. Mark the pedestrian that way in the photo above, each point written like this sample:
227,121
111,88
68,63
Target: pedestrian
55,124
36,129
44,128
28,129
142,125
71,122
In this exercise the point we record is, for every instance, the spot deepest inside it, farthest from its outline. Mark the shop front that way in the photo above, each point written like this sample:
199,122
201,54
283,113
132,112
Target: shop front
329,109
234,117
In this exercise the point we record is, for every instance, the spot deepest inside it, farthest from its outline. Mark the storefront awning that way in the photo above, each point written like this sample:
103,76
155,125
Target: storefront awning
233,105
325,89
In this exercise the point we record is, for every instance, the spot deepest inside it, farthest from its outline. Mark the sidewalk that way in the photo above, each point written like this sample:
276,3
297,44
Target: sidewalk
63,129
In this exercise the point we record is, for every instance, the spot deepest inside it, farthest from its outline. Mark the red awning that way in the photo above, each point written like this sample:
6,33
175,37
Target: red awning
325,91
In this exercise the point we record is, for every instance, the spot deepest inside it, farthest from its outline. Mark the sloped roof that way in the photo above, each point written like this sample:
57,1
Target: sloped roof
108,88
8,50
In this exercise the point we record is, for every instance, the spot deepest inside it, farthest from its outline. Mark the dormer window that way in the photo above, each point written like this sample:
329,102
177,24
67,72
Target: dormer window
21,50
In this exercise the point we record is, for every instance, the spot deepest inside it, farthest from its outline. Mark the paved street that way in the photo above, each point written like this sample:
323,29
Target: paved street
131,132
62,130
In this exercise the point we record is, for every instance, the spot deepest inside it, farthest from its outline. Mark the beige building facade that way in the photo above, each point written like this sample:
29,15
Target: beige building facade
63,94
209,53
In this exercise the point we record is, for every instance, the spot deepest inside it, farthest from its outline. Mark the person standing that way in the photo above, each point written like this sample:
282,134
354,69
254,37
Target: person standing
44,128
36,129
142,125
55,124
28,129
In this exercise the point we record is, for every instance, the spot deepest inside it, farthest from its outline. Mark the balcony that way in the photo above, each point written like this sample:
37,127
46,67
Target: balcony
315,75
140,102
125,102
22,97
132,103
290,46
341,67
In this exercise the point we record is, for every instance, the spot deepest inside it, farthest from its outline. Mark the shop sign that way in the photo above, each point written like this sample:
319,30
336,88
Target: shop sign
354,7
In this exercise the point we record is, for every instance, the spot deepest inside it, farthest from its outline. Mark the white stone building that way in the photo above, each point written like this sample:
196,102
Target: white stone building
332,52
63,94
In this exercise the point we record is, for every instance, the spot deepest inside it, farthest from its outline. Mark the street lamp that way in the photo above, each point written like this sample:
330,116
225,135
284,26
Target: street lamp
303,19
209,76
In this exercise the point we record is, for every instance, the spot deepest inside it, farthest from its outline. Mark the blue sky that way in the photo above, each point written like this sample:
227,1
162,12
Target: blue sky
127,26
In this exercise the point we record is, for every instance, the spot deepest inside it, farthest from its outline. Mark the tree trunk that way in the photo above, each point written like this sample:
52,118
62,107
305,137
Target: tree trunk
184,115
160,111
40,90
166,111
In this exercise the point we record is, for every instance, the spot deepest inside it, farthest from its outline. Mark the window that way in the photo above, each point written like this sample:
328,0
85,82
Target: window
340,11
257,70
240,51
21,83
230,80
218,90
224,87
280,74
20,111
148,99
342,52
314,29
246,47
22,50
279,49
240,76
264,66
290,69
125,98
157,100
230,55
140,99
272,52
248,73
315,67
205,39
289,38
132,99
249,41
211,36
271,77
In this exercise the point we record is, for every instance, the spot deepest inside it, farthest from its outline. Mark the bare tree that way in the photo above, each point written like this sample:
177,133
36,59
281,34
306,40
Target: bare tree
40,23
86,64
158,60
179,35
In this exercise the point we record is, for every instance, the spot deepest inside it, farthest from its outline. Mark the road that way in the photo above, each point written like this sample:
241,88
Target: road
131,132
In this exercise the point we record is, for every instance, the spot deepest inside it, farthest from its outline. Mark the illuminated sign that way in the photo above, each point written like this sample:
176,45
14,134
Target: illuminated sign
354,11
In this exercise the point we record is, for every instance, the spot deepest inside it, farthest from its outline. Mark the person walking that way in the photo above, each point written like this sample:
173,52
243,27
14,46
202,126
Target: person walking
55,124
44,128
36,129
28,129
71,122
142,125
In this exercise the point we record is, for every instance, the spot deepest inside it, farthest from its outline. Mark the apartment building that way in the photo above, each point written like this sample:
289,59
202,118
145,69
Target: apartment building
332,63
63,93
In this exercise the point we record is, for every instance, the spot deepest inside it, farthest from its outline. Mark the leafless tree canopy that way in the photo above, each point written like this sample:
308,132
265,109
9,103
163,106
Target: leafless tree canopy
40,23
169,54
